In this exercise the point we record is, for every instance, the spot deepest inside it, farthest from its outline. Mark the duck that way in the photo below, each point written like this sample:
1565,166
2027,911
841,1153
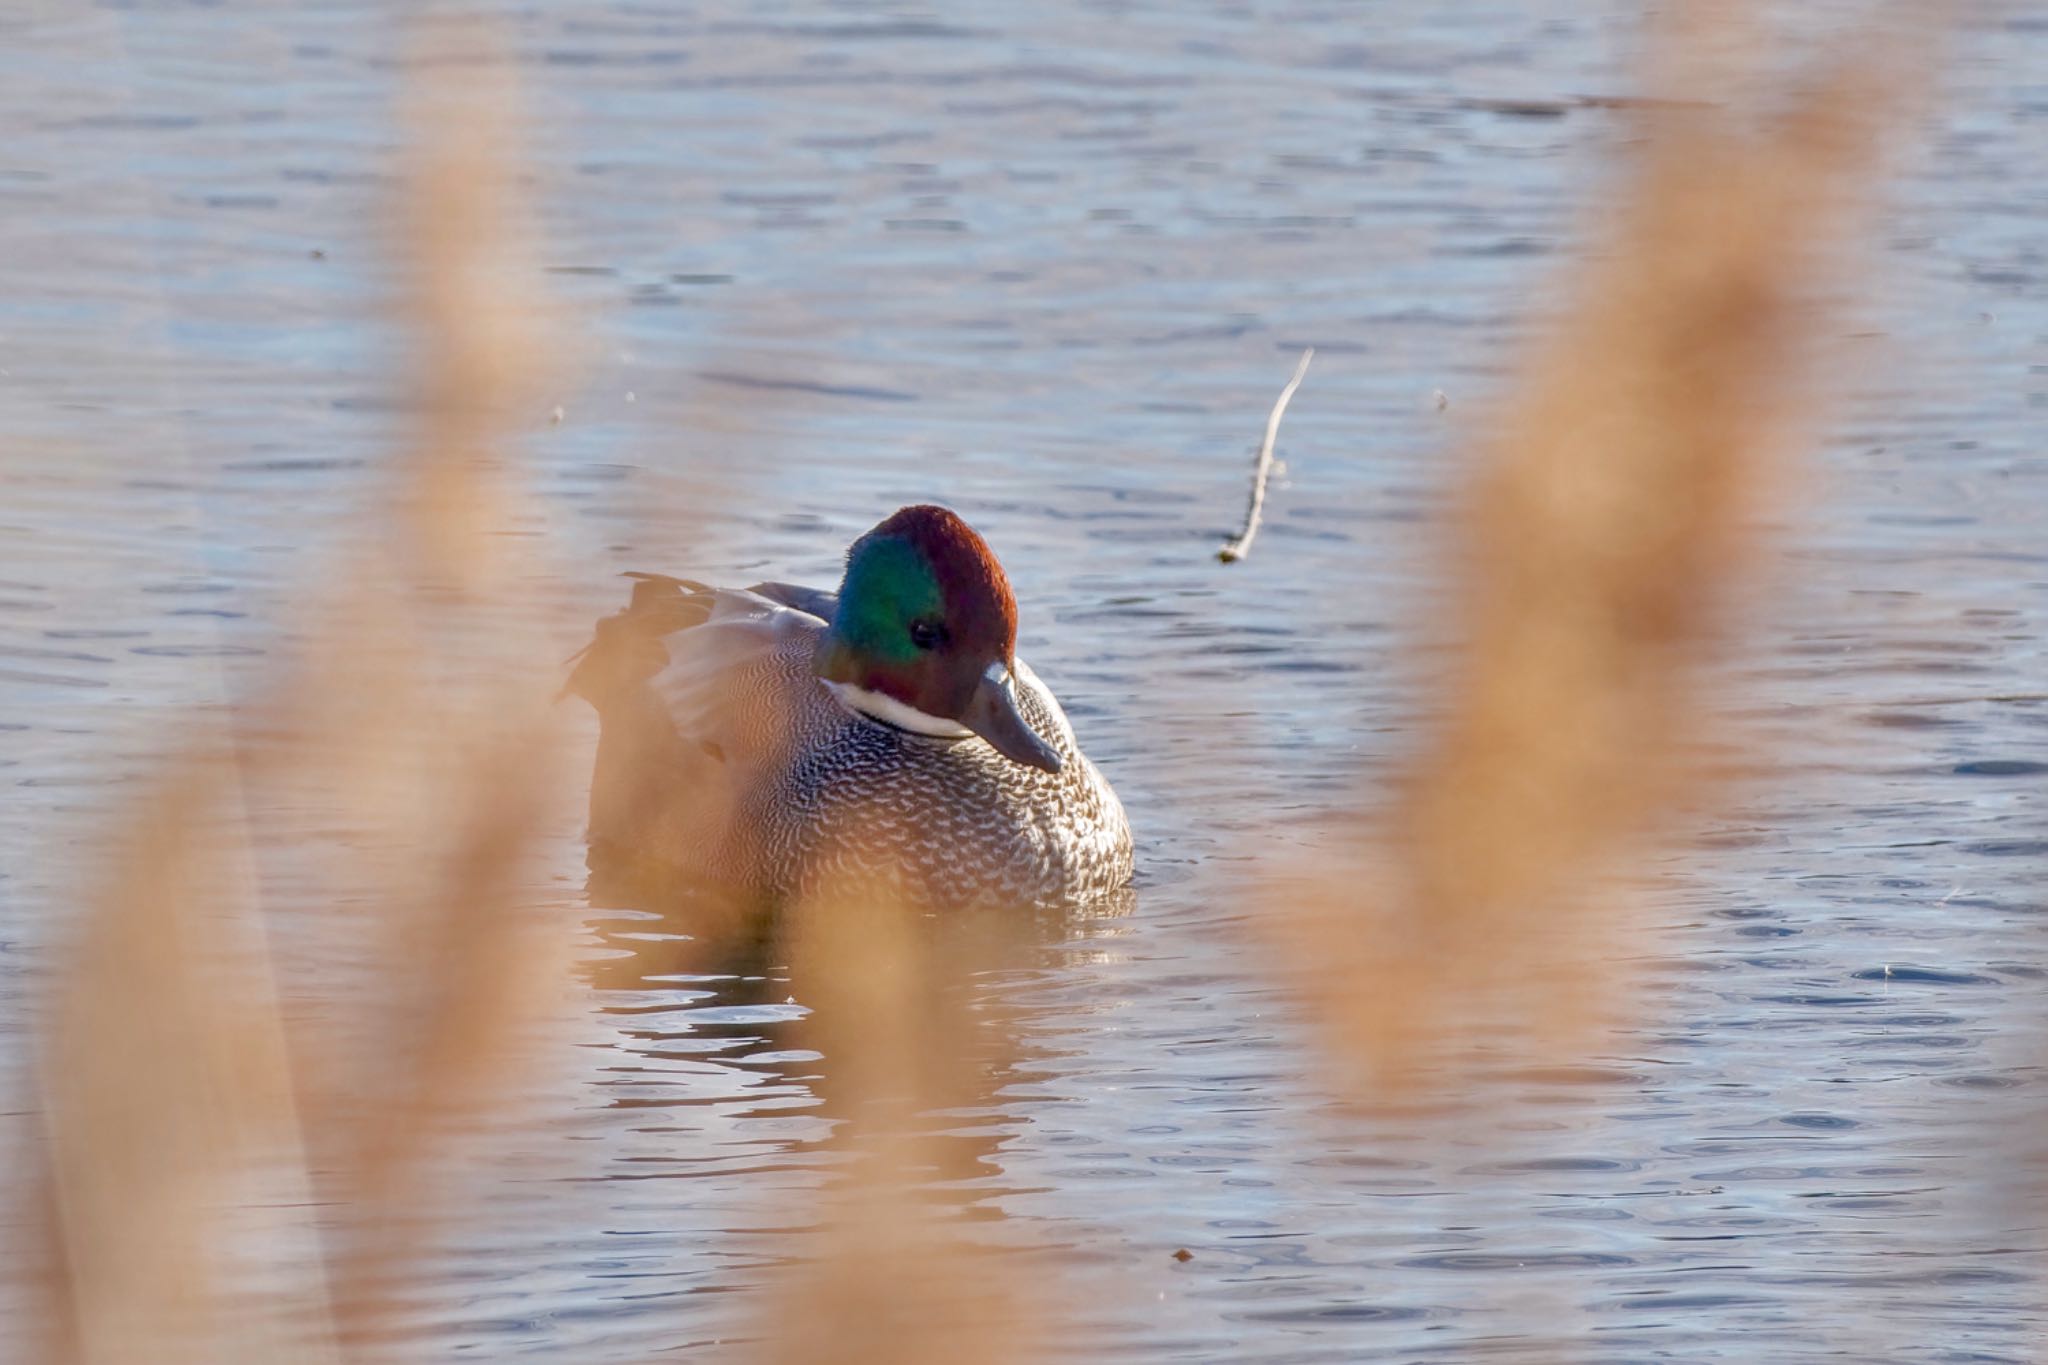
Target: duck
777,742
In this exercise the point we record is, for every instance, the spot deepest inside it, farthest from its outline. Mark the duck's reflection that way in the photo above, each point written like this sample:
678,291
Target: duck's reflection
866,1023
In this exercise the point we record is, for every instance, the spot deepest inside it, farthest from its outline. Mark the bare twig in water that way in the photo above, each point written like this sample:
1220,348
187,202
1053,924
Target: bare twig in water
1240,545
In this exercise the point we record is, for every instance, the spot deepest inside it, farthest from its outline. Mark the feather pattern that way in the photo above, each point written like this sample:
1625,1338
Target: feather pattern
724,755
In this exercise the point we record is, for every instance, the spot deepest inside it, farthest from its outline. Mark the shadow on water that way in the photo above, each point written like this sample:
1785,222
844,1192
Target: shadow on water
700,979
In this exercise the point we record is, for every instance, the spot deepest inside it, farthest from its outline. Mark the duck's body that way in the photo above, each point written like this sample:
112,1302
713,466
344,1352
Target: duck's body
762,740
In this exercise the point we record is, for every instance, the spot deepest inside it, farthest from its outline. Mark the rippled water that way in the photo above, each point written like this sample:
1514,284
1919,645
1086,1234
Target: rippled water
1051,267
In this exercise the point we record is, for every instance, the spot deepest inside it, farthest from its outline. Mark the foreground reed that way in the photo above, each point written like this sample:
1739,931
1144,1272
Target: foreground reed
204,1087
900,1008
1599,548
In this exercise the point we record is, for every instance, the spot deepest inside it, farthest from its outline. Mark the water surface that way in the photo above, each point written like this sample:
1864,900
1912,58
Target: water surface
1051,268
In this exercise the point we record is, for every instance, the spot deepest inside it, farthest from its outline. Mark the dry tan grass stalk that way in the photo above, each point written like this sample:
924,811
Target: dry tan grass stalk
450,1036
463,967
182,1060
894,1285
1601,532
908,1030
472,295
164,1084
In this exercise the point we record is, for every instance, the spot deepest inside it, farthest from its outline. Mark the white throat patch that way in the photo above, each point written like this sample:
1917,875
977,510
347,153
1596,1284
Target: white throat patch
882,707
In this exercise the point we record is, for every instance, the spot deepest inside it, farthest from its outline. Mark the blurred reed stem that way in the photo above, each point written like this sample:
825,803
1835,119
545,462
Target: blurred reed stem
1602,536
186,1069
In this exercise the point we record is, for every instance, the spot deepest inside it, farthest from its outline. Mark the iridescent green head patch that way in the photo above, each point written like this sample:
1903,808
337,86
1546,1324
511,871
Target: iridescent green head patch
924,612
889,585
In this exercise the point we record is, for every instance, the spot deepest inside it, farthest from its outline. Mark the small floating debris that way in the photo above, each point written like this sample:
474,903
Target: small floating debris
1513,108
1559,106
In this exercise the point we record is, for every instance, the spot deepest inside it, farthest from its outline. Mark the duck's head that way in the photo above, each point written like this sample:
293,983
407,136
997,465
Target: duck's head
925,634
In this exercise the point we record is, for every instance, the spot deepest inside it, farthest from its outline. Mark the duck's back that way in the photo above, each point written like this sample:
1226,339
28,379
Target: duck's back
701,699
721,754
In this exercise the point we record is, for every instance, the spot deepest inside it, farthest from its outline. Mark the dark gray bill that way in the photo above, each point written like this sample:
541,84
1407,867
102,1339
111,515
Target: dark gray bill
992,713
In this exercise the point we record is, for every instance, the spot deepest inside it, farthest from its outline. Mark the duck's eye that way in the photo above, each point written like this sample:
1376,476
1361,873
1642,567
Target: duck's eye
927,634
